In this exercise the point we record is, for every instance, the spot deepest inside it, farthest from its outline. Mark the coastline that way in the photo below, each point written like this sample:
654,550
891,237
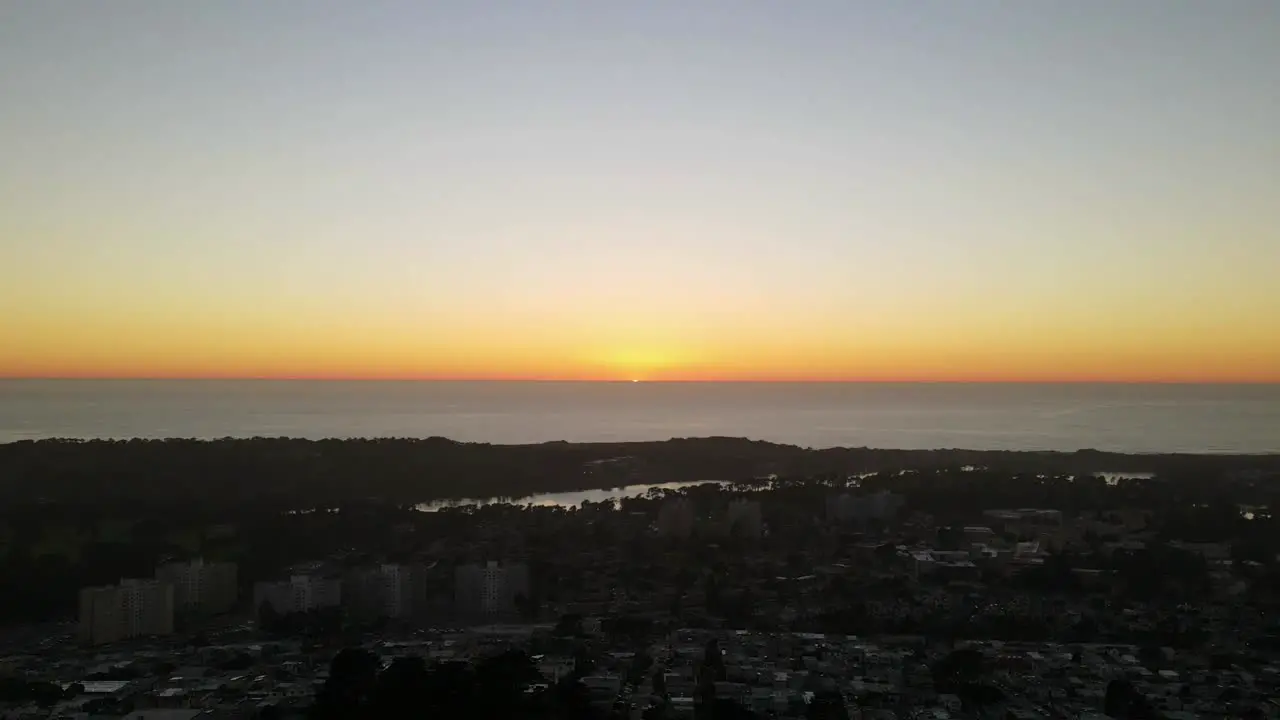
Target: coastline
283,470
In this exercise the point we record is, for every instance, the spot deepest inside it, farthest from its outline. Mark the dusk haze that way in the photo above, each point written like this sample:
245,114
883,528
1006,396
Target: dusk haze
905,191
640,359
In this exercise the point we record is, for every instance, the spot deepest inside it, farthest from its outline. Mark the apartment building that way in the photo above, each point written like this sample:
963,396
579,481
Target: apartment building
490,589
299,593
133,608
387,590
200,587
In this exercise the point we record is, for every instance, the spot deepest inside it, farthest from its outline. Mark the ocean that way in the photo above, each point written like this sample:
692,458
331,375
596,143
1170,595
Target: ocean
1115,417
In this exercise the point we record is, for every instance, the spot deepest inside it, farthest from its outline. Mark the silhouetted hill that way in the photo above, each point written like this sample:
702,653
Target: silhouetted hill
283,472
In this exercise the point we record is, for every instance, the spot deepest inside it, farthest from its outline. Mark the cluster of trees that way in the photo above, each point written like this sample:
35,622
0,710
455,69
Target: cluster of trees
46,557
17,691
282,473
1124,702
507,685
293,473
76,513
964,673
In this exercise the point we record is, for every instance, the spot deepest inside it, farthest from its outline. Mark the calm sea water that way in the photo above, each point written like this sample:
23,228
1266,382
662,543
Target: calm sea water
563,499
1127,418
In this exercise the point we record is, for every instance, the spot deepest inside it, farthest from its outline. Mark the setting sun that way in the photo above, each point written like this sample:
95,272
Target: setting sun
638,365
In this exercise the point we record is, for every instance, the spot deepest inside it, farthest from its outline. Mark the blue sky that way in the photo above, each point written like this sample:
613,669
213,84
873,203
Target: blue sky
570,181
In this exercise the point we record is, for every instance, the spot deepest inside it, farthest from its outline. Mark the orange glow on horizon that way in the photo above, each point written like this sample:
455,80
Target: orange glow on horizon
749,206
673,375
638,349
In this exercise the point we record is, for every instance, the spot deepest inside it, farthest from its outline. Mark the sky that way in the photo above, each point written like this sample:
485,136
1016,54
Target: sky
719,190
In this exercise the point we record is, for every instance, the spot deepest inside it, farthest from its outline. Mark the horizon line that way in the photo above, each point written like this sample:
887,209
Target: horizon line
639,381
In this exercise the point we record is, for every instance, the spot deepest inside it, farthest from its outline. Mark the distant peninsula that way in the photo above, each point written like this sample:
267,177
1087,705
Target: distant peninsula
284,472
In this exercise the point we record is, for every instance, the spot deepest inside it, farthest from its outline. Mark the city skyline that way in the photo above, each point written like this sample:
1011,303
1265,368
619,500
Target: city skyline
727,191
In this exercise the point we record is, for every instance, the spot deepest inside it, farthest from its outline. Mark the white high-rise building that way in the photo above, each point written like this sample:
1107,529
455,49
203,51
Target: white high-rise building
312,592
200,587
133,608
102,615
489,589
403,589
277,594
300,593
150,606
388,590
